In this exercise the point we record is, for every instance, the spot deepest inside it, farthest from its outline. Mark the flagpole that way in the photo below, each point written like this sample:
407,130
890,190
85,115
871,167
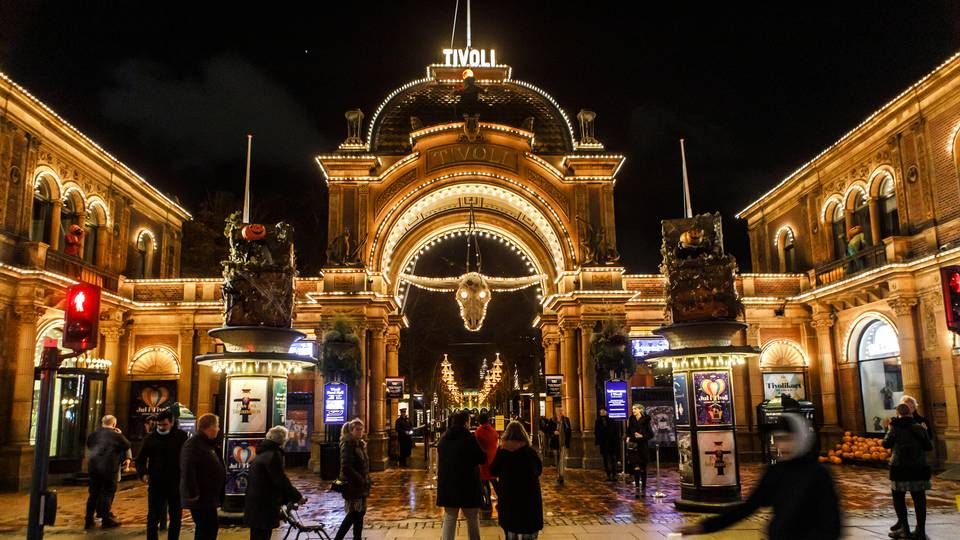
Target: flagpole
469,43
246,191
687,207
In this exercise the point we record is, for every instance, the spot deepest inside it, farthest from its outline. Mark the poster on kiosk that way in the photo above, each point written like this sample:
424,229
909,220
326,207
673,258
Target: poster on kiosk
615,398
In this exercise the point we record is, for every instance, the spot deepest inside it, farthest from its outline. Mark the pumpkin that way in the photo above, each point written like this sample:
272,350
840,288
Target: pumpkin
835,460
846,433
846,448
253,231
847,440
831,453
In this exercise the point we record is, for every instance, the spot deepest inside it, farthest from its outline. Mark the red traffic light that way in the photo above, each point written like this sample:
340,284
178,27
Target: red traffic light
82,317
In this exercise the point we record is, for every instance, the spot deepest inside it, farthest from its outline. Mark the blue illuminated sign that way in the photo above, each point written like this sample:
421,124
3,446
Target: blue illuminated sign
647,345
335,403
615,398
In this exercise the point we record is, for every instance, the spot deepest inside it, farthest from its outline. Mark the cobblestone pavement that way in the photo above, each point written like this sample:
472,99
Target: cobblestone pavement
402,505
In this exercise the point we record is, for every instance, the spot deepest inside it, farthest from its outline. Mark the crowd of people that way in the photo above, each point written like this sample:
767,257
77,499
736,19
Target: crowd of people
477,467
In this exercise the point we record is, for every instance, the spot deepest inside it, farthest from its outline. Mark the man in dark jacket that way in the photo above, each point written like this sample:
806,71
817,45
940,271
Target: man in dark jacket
606,432
458,478
106,451
561,442
799,489
404,437
202,477
158,465
268,487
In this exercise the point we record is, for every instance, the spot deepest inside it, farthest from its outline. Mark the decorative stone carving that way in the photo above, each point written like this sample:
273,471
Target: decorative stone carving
902,305
596,248
344,251
354,125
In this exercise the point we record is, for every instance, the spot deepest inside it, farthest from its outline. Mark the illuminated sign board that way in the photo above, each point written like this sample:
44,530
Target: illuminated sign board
615,398
335,403
647,345
304,347
554,386
395,388
469,57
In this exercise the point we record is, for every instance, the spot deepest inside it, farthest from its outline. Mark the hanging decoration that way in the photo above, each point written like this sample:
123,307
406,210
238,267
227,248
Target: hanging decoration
473,289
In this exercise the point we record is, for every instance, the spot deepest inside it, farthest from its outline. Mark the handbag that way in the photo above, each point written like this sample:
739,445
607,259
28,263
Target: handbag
338,486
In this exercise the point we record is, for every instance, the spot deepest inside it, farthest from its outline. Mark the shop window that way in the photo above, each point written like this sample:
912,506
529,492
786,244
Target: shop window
889,216
42,213
881,381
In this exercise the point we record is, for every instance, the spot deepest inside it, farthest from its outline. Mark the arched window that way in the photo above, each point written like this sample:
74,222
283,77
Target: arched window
861,214
42,212
146,248
786,249
887,200
881,382
69,215
96,219
838,229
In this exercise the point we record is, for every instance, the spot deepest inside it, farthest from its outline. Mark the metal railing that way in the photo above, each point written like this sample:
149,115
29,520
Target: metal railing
870,257
76,268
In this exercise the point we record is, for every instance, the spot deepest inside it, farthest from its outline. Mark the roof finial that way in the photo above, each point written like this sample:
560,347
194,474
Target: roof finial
687,205
246,191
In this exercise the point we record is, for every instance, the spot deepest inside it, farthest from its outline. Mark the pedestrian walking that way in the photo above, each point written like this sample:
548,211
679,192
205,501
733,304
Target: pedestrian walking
458,478
149,426
519,500
800,490
354,477
404,437
548,428
202,477
606,433
106,451
561,441
638,437
909,471
488,439
158,466
268,487
921,420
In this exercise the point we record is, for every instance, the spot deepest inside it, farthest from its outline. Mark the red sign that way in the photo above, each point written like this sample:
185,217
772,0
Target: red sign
82,317
950,277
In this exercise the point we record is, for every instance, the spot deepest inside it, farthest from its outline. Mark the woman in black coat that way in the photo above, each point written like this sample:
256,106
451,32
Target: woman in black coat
908,470
354,476
518,467
268,487
458,477
639,434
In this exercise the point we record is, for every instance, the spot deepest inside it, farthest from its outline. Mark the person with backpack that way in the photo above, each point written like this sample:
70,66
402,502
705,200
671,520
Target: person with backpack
909,471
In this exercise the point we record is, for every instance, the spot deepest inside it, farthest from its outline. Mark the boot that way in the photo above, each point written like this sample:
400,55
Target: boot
903,532
88,523
636,491
109,523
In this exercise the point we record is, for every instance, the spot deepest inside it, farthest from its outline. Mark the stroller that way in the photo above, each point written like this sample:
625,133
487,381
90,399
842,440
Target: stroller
291,515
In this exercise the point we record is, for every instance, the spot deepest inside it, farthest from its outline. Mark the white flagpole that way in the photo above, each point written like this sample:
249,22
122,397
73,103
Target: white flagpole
687,207
468,25
246,191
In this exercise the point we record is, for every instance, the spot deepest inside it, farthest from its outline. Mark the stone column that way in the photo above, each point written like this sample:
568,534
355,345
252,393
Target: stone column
874,205
377,389
902,306
570,362
318,436
822,323
591,454
393,370
361,389
111,351
55,224
186,366
16,457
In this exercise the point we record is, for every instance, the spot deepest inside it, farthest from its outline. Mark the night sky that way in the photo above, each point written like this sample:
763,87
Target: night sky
172,89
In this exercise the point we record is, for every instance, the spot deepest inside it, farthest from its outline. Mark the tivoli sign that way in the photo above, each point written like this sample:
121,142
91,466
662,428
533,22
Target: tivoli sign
469,57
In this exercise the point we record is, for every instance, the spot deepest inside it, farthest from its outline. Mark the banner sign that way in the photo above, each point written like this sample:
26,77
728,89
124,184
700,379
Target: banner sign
615,398
247,405
554,385
777,384
680,401
335,403
146,398
712,391
718,458
641,347
279,400
394,387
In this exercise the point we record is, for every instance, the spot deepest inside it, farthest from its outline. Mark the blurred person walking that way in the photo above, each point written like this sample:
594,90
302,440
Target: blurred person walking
458,478
606,432
106,452
404,437
354,477
202,477
909,471
520,502
561,442
158,465
800,490
488,438
268,487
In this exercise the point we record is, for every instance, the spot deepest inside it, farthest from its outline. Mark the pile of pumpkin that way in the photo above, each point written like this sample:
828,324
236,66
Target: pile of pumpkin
863,449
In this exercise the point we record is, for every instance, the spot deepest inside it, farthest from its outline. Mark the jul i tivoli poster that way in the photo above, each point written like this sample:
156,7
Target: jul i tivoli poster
240,454
712,396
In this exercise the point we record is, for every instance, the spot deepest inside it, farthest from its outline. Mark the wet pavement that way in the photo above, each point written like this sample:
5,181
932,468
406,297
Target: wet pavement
402,505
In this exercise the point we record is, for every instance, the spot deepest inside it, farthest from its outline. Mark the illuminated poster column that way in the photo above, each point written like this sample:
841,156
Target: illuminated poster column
256,364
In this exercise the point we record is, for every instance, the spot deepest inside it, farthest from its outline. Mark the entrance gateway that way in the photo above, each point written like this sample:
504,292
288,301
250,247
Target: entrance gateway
468,149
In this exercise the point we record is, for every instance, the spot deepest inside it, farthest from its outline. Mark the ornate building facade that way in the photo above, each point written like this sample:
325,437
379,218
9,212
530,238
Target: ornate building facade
858,329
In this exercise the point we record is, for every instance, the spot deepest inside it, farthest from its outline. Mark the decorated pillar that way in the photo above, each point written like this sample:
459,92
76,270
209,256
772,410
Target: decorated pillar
571,392
874,204
16,456
393,370
111,351
377,390
551,350
822,323
56,210
902,307
588,406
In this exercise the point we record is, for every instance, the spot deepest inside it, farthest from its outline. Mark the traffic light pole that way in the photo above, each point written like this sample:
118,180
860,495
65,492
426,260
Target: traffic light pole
49,363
